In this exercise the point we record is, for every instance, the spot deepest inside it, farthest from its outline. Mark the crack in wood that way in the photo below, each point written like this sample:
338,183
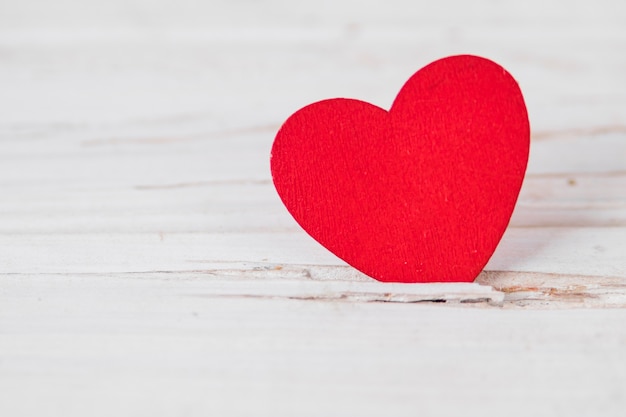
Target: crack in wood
578,132
342,283
573,175
558,290
228,182
222,134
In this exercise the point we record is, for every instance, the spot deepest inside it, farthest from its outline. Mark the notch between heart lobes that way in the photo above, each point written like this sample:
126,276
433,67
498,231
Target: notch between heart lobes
420,193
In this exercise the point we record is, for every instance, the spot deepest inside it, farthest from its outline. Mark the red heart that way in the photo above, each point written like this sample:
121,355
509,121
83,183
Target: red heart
420,193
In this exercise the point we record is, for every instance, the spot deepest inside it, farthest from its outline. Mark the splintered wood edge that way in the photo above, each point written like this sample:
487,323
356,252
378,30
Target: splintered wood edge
362,292
550,290
323,282
342,283
500,288
335,283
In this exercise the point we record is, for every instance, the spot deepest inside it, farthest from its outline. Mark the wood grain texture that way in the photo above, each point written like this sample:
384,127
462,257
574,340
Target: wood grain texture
147,266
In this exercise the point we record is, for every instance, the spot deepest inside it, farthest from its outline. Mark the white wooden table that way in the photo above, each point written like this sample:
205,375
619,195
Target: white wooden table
148,268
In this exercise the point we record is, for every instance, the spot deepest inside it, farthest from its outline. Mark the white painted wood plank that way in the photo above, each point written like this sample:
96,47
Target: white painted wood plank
148,267
595,251
102,345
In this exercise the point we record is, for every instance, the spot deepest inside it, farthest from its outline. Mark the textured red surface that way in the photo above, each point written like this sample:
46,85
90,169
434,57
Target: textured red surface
420,193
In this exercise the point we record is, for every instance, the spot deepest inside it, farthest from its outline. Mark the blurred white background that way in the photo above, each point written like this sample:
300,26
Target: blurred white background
118,61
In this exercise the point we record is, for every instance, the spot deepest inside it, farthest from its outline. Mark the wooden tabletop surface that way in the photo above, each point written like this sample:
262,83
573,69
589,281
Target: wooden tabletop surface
148,267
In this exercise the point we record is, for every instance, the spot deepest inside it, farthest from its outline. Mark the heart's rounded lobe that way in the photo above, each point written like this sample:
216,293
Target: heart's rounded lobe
420,193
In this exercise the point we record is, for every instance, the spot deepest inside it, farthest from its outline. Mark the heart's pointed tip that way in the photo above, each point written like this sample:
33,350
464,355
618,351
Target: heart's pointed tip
430,281
436,279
